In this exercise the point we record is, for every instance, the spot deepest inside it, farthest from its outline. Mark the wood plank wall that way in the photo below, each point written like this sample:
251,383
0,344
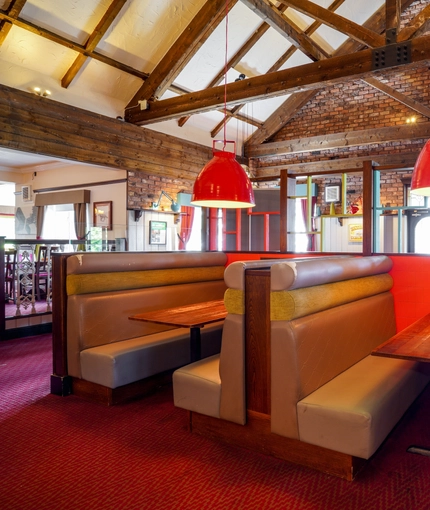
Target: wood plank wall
39,125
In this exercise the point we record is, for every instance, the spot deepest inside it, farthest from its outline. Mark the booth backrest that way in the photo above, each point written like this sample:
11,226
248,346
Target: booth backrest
104,289
326,315
232,356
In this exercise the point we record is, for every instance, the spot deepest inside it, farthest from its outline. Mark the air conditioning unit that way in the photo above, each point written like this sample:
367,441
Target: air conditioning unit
27,194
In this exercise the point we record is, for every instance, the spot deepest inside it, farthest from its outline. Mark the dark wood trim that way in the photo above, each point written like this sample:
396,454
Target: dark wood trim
59,314
110,396
256,435
257,334
79,186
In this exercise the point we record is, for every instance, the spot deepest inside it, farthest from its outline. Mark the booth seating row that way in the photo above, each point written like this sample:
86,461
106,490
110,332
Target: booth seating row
330,404
99,353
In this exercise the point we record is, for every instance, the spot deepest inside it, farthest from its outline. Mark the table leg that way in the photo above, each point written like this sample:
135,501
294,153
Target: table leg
195,344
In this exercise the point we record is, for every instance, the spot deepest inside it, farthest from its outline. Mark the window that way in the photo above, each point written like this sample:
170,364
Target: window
59,222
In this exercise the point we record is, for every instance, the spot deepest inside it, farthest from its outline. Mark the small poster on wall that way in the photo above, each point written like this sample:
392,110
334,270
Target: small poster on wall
157,232
356,233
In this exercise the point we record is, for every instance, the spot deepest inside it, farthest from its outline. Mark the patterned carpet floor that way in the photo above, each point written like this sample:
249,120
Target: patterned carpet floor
65,453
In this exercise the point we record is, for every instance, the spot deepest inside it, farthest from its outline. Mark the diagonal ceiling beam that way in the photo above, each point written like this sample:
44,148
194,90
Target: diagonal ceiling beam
62,41
174,61
398,96
93,40
256,36
305,77
15,7
275,67
415,25
339,23
270,14
273,123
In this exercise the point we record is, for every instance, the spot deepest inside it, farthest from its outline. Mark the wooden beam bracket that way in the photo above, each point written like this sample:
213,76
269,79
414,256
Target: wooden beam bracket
391,55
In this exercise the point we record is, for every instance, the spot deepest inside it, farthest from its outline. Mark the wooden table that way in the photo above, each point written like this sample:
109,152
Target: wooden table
194,316
413,343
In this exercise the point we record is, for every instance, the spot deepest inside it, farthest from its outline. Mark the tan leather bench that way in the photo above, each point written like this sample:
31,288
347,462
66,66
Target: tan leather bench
106,352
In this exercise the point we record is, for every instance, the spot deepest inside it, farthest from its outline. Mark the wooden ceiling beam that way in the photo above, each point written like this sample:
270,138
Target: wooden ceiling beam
181,52
306,77
404,160
286,28
62,41
15,7
339,23
398,96
420,20
255,37
93,40
258,137
341,140
393,11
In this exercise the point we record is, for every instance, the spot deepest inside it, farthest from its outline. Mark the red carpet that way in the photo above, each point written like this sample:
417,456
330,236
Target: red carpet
64,453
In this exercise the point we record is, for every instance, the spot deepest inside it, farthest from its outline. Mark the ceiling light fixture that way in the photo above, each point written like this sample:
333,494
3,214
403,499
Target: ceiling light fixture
223,183
43,93
420,183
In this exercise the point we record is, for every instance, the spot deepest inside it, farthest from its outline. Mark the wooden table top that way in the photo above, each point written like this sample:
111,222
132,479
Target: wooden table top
413,343
188,316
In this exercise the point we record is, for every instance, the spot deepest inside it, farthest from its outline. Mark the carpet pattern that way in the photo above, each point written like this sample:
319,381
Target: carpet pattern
65,453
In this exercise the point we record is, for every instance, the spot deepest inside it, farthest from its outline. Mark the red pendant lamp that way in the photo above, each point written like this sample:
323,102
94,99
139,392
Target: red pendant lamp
223,183
420,183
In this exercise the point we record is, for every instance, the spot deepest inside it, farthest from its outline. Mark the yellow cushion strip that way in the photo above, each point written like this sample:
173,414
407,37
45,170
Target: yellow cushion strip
105,282
288,305
234,300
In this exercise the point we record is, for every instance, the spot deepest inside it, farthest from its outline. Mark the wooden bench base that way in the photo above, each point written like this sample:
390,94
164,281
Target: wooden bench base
256,435
110,396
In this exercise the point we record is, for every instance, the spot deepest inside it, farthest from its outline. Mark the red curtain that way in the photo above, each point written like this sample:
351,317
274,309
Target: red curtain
187,217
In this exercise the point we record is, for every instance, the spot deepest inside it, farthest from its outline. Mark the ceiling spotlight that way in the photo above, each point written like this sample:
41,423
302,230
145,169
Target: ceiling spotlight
411,120
42,93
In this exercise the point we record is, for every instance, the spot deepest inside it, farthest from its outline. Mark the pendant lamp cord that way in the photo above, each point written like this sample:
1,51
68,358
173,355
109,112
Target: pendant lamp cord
225,74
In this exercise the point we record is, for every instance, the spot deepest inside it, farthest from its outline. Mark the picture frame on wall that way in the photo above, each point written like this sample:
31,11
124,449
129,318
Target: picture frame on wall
102,214
157,232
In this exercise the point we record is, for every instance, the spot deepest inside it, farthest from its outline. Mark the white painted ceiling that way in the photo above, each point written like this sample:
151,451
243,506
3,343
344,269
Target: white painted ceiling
139,37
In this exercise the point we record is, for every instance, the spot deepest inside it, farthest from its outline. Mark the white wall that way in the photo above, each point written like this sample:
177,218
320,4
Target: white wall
58,175
139,232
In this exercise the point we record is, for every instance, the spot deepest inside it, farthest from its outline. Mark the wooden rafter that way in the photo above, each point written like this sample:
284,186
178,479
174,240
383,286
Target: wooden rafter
62,41
306,77
91,44
191,39
339,23
13,11
286,28
275,67
341,140
274,122
256,36
393,11
421,19
398,96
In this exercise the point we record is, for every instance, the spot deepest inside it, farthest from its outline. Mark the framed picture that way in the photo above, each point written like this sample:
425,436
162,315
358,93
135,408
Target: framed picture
356,233
157,232
102,215
332,194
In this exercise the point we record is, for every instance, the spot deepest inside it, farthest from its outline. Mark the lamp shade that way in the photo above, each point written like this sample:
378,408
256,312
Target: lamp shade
223,183
420,184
